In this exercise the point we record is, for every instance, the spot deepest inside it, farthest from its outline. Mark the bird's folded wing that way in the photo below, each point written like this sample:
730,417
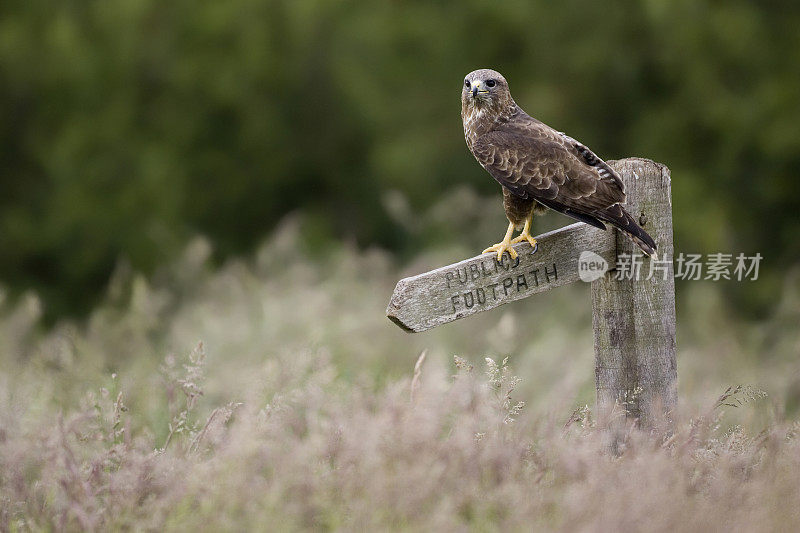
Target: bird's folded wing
534,161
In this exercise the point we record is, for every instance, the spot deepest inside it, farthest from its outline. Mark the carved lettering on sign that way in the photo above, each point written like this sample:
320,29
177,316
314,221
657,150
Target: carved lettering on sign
481,283
474,294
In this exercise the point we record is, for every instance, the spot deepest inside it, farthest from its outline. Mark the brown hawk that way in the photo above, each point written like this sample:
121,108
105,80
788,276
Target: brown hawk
539,167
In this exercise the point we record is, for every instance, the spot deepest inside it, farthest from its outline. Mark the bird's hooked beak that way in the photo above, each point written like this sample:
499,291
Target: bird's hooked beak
478,87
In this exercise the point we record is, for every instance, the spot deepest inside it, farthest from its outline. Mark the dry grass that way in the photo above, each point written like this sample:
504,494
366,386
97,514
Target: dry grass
296,411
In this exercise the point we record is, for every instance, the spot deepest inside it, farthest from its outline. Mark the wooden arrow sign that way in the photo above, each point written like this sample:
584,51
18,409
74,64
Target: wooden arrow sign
481,283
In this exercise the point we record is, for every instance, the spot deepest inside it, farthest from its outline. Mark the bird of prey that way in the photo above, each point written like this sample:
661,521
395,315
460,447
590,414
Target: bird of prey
539,167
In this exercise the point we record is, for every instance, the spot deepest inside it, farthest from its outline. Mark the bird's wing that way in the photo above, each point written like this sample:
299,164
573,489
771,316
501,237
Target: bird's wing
535,161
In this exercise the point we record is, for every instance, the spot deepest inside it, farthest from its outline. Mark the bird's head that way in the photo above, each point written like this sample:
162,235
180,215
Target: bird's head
485,88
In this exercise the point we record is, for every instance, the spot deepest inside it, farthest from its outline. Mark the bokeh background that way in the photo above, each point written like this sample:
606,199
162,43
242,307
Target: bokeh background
205,205
129,126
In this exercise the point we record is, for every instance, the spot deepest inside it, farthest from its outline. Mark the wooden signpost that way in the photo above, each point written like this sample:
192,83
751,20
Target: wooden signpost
632,296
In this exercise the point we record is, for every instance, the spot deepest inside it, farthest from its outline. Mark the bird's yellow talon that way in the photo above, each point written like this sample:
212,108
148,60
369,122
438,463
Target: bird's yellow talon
504,246
523,237
501,248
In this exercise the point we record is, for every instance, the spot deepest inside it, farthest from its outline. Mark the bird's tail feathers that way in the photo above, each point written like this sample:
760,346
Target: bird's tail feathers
620,218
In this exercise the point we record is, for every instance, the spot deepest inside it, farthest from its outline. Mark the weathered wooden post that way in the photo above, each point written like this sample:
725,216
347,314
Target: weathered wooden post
633,302
633,317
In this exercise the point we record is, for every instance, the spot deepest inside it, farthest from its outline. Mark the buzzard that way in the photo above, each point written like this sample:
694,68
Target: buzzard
539,167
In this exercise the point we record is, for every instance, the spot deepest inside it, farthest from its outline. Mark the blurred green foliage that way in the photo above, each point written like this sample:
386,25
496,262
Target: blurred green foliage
130,125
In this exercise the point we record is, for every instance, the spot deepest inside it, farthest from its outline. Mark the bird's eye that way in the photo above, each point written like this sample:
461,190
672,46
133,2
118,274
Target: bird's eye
491,83
466,84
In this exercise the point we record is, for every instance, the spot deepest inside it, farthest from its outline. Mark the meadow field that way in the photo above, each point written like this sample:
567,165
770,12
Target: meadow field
272,393
205,207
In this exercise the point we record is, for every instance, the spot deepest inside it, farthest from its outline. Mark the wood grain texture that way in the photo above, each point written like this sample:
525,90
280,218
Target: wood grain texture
634,319
481,283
